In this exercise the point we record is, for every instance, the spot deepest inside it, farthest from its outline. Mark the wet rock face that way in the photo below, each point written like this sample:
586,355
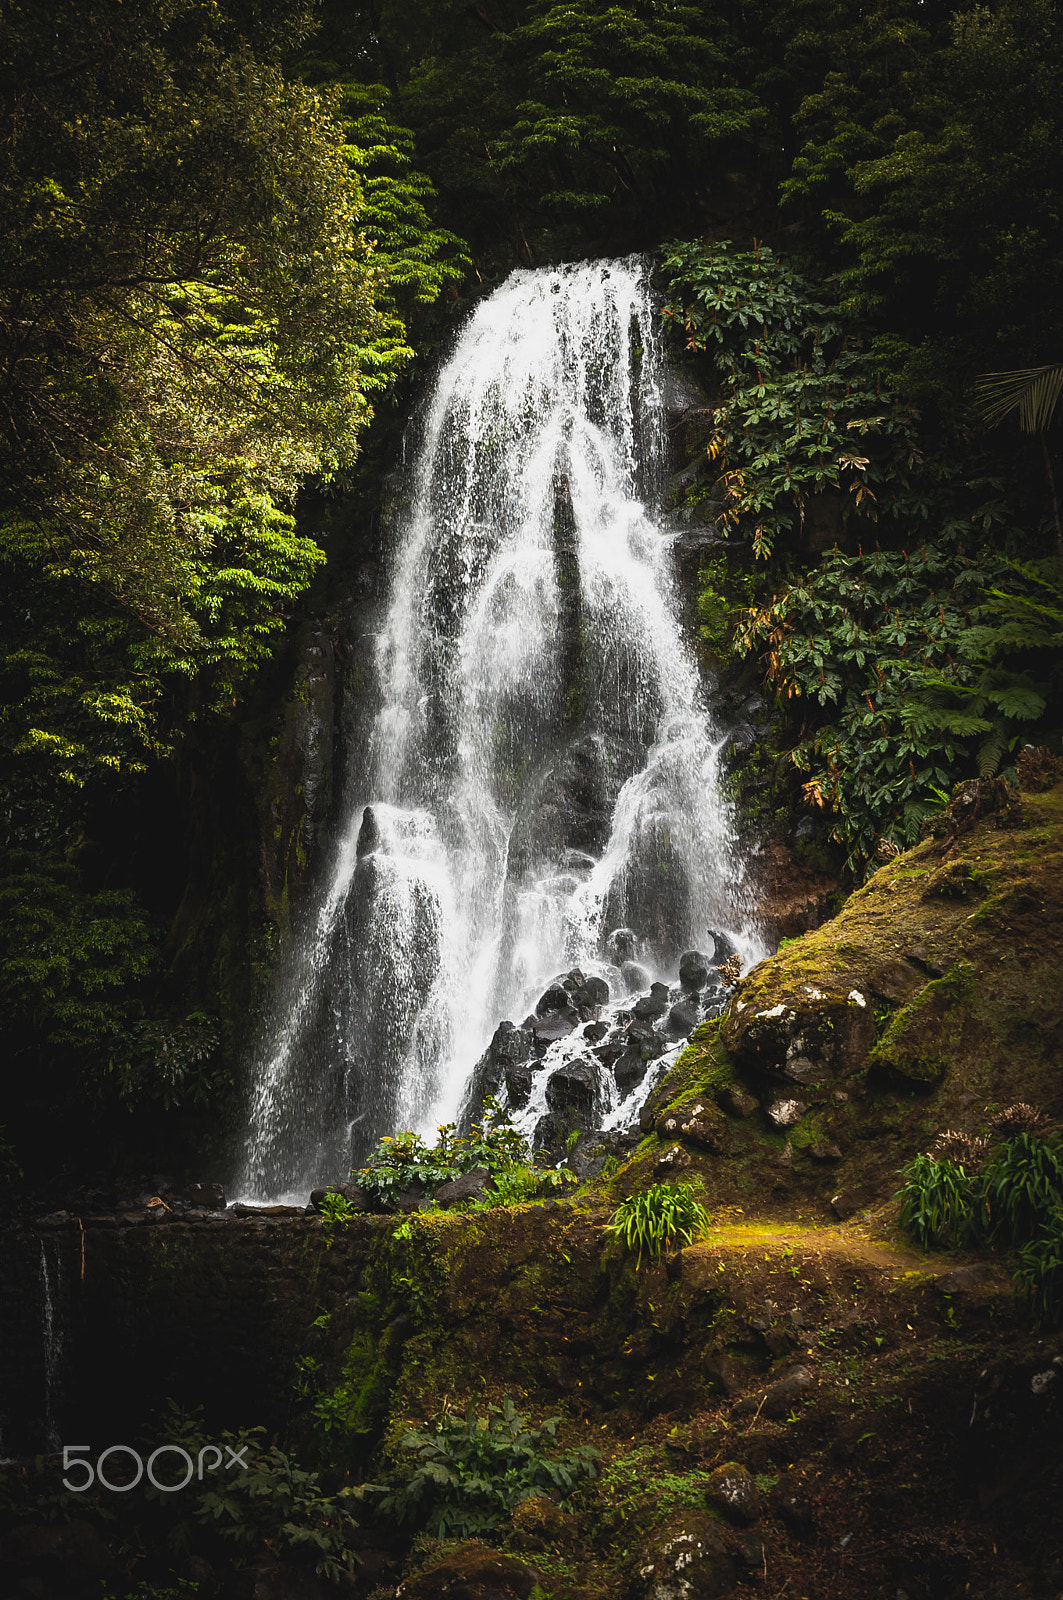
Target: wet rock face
293,789
472,1571
685,1559
733,1488
699,1123
573,1087
818,1036
506,1058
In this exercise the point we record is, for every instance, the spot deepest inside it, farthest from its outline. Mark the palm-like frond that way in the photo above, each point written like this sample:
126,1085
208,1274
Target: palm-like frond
1031,391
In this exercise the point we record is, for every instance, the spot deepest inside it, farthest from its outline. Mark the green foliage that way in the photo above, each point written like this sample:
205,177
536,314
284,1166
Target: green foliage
802,413
636,1477
940,1202
70,965
859,642
1033,393
658,1219
1040,1270
935,155
1017,1202
1023,1188
418,260
516,1187
615,95
721,597
403,1161
278,1507
336,1211
468,1473
201,264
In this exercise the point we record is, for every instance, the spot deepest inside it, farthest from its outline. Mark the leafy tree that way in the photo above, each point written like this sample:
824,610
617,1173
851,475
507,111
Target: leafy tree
853,644
615,94
935,153
802,422
195,316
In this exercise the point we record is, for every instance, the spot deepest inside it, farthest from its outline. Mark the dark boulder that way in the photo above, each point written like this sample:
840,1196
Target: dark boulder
629,1070
685,1559
641,1036
472,1571
621,945
353,1193
699,1123
723,948
509,1047
518,1081
682,1019
693,969
470,1186
207,1196
675,1159
368,834
577,861
738,1101
817,1034
654,1004
733,1489
573,1087
635,977
556,998
557,1024
511,1044
592,993
777,1401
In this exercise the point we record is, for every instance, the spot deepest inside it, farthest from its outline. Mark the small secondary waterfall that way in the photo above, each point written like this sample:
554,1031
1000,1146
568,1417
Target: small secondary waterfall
52,1339
541,770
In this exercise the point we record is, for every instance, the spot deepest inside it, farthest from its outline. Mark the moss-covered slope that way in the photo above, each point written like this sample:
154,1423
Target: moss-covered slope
934,996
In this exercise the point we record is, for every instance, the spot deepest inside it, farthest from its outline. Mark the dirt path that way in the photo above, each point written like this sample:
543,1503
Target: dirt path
850,1240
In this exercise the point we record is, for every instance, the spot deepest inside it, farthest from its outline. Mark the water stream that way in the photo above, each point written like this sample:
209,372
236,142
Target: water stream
541,769
50,1274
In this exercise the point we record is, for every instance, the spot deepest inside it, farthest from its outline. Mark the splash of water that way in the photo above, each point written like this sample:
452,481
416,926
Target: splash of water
50,1276
541,769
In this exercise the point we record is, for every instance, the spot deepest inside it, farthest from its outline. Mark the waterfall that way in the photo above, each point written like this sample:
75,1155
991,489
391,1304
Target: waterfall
50,1275
541,770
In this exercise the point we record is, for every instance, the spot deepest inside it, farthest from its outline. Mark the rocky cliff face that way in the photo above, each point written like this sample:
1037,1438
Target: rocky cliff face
792,1403
934,997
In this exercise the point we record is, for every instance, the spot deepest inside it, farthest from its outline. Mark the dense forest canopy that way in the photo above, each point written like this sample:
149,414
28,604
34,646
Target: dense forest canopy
226,227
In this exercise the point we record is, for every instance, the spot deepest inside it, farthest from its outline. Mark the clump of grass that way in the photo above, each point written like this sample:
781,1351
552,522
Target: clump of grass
1016,1201
660,1218
940,1202
1023,1184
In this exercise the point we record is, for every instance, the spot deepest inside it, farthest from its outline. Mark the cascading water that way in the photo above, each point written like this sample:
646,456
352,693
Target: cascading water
50,1274
541,771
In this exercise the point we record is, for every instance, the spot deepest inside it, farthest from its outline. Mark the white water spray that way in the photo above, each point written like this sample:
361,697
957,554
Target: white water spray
541,769
50,1276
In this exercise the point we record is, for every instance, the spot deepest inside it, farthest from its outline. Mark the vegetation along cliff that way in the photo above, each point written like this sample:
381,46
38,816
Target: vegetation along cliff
795,1328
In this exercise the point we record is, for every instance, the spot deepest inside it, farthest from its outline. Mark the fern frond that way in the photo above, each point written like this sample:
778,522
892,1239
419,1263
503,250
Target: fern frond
990,753
1031,391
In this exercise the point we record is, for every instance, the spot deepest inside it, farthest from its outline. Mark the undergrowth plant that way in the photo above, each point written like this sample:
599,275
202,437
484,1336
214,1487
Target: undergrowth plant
1023,1185
405,1161
1039,1273
660,1218
1016,1202
940,1202
336,1211
464,1474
